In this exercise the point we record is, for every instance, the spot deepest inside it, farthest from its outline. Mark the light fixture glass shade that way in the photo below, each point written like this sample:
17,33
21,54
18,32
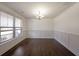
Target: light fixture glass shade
39,13
39,17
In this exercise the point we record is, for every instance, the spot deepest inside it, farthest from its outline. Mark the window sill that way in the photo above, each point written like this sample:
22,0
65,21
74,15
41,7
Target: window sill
1,43
4,42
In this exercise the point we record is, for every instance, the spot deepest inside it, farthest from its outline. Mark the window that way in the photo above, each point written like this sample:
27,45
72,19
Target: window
10,27
17,27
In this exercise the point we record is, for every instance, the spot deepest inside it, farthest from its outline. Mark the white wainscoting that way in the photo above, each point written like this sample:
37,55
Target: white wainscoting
38,34
69,40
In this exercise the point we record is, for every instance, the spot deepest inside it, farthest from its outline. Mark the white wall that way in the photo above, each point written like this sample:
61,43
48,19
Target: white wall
39,28
66,28
36,24
32,28
6,46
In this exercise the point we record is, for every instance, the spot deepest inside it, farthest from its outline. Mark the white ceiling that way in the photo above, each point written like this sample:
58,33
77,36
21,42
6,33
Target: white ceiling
26,8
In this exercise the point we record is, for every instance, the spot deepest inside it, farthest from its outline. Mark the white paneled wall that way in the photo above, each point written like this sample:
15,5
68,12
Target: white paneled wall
69,40
62,38
35,28
66,28
74,43
38,34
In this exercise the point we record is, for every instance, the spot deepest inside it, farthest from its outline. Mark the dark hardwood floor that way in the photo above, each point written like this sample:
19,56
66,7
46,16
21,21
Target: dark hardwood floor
38,47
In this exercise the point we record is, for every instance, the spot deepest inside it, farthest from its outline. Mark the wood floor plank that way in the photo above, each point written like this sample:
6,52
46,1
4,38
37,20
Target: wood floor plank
38,47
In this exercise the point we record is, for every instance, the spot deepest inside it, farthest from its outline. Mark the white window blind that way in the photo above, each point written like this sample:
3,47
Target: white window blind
10,27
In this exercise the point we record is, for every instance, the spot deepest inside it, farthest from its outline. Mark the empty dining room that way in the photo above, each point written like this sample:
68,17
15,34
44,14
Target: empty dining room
39,28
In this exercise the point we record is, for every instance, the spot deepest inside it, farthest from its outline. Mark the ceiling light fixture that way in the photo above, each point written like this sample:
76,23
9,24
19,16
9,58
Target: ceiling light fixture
39,13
